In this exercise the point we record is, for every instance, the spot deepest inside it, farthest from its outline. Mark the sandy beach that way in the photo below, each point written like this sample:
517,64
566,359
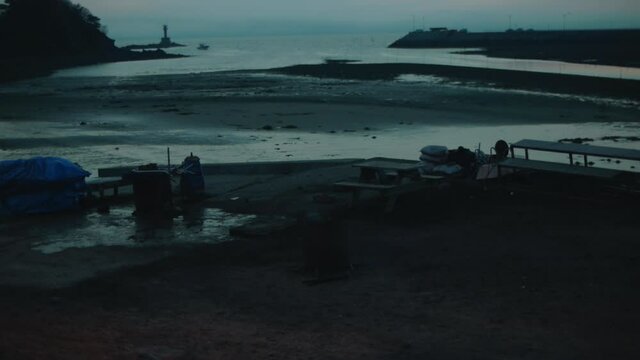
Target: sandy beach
536,267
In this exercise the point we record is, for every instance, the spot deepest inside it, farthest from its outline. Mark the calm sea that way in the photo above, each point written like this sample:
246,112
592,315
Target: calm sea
242,53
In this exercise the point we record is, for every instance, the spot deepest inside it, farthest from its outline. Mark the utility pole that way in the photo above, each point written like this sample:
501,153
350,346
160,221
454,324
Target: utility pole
564,21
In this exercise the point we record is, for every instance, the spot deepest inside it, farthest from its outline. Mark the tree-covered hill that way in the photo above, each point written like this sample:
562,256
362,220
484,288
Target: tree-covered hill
39,36
50,28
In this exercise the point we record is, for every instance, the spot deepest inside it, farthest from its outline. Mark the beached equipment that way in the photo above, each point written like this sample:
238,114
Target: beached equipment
191,177
151,191
434,153
501,148
326,249
40,185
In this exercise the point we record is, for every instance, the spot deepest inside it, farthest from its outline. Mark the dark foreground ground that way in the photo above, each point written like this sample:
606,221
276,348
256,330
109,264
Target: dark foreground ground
503,273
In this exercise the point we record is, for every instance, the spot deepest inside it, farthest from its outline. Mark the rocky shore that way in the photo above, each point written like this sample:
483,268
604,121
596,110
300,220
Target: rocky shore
593,46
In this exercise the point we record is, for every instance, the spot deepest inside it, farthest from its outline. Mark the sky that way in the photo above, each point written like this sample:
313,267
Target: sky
143,18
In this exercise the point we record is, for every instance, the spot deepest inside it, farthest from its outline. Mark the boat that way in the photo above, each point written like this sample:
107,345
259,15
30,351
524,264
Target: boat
203,46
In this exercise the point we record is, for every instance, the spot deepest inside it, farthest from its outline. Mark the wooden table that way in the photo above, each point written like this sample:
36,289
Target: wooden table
379,170
375,175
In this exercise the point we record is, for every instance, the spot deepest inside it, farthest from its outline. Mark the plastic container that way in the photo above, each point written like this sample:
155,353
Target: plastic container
151,191
191,177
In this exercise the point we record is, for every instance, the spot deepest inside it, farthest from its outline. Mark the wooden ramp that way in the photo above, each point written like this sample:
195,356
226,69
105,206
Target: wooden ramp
546,166
578,149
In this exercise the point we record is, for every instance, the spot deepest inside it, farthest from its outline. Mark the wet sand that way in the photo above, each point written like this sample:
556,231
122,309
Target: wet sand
557,83
233,117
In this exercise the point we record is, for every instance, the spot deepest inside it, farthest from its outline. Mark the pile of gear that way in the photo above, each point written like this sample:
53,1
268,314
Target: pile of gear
436,159
40,185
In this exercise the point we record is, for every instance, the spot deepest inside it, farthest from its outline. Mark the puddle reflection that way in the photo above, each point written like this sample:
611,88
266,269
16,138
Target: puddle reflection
121,228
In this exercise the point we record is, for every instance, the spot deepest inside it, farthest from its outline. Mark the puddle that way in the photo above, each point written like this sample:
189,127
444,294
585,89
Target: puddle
120,228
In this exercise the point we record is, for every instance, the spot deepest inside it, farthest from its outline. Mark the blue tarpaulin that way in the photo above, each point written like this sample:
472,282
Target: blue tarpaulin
40,185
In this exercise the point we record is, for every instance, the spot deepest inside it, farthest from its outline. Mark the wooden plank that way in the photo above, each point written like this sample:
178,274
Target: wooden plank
432,177
100,184
389,164
360,185
580,149
106,181
547,166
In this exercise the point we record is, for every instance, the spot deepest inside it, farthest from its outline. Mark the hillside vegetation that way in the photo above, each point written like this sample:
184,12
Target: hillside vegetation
39,36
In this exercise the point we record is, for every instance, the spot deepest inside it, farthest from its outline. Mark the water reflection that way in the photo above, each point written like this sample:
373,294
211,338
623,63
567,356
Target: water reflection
119,227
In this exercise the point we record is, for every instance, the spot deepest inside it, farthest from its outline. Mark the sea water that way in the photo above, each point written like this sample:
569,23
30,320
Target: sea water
250,53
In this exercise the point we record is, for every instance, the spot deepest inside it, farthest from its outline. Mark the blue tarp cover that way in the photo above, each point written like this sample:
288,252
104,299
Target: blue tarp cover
40,185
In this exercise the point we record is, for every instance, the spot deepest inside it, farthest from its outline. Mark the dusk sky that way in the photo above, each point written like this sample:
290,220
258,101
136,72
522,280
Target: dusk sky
135,18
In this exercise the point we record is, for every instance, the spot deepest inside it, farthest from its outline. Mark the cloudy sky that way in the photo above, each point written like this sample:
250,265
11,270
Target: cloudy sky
134,18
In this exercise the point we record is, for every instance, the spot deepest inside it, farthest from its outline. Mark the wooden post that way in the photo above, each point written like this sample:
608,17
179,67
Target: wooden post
168,159
570,158
390,203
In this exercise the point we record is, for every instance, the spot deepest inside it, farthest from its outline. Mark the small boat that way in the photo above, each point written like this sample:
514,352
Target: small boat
203,47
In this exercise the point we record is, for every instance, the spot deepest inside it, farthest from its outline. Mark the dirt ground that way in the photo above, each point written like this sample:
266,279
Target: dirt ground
515,271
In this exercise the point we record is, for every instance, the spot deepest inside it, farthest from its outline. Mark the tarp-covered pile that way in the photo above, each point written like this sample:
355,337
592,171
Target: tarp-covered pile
40,185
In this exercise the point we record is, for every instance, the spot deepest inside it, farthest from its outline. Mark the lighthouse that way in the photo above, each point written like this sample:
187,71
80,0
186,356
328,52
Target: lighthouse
165,41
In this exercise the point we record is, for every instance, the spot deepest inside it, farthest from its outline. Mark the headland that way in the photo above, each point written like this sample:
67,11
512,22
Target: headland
605,47
39,37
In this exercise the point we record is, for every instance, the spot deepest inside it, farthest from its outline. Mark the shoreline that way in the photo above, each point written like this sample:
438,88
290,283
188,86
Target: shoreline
25,68
506,79
257,117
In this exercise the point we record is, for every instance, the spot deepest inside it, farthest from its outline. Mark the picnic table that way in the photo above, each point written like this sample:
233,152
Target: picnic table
389,177
380,170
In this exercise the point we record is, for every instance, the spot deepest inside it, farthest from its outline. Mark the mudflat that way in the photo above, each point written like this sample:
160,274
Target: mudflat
231,117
